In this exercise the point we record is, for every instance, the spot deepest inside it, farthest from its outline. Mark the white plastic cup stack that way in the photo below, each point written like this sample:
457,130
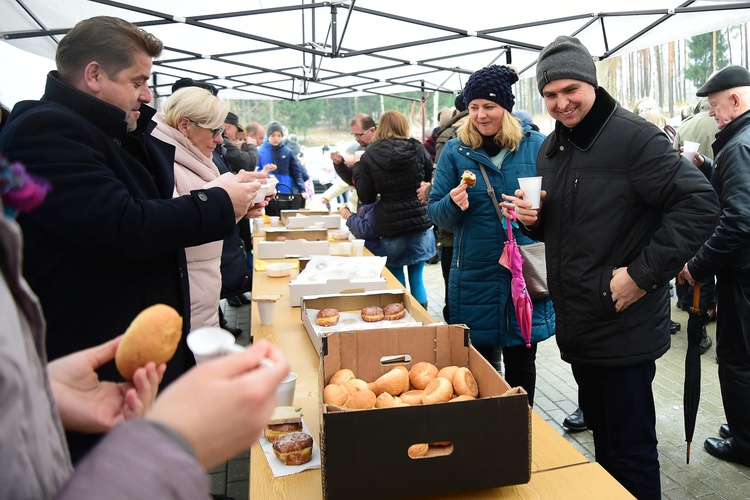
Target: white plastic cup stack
532,190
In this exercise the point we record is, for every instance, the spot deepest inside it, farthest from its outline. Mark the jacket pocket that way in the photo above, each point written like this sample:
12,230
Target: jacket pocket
605,293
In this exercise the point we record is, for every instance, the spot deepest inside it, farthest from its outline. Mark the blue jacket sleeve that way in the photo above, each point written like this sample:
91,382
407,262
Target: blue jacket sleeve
362,224
440,207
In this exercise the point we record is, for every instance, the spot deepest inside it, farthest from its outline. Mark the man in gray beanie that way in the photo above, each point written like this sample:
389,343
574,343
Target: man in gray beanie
621,213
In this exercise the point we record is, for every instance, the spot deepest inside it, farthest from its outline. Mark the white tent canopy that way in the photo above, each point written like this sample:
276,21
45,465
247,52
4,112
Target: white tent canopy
298,49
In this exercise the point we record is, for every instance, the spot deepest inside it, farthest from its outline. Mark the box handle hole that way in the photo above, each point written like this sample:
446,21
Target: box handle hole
396,359
432,450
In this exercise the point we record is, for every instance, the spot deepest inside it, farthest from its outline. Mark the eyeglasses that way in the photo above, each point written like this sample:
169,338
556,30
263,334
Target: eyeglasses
357,136
215,132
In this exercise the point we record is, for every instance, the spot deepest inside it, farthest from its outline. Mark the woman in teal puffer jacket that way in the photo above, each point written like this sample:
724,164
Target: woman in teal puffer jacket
479,287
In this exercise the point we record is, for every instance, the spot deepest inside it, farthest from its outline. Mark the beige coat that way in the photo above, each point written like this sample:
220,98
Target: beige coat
192,170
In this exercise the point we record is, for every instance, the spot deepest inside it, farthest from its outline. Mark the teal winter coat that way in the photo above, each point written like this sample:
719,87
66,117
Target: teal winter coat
479,287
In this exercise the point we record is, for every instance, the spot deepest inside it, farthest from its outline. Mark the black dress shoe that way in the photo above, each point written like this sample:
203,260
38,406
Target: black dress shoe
234,331
725,449
706,342
674,327
724,431
574,422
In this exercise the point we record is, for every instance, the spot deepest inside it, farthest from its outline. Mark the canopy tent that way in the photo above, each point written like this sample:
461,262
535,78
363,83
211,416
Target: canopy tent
299,49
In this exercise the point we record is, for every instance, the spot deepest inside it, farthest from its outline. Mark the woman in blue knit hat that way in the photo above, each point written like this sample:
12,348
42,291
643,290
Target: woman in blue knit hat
479,287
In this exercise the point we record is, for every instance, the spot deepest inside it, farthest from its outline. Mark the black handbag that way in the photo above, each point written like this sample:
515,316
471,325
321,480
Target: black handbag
284,201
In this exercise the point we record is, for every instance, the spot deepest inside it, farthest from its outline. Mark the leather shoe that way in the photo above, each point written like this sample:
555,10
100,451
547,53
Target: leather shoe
725,449
724,431
706,342
575,422
674,327
234,301
234,331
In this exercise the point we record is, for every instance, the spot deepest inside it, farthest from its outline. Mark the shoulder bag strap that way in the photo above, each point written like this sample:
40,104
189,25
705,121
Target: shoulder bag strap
495,203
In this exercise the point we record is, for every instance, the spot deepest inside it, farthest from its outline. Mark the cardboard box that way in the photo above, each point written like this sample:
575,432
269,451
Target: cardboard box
298,290
330,221
289,248
286,214
296,234
364,452
355,302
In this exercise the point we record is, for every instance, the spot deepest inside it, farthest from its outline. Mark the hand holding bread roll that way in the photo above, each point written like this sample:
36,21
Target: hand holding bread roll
152,336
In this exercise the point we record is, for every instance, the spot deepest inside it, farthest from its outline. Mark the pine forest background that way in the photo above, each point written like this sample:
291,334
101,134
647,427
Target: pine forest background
669,73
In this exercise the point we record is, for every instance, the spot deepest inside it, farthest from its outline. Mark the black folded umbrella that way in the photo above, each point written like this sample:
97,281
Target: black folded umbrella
692,390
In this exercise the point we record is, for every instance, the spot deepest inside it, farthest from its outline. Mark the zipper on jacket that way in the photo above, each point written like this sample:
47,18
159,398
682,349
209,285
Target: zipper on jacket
460,239
573,201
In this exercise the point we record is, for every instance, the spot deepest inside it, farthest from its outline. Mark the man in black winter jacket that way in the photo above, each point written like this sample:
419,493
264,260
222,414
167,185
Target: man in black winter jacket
621,211
727,255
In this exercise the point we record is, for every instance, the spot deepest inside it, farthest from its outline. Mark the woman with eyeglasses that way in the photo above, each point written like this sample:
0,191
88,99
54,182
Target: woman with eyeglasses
192,121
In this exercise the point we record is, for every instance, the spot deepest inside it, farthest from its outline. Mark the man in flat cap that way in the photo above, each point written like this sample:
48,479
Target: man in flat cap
727,255
620,211
234,156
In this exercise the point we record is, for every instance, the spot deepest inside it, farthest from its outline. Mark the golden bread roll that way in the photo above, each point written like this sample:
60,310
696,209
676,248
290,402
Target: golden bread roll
152,336
464,383
391,382
422,374
413,397
418,450
407,383
342,376
335,395
439,390
294,448
385,400
463,397
447,372
355,385
362,400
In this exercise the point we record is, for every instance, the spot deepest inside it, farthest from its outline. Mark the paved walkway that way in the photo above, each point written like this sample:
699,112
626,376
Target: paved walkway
556,397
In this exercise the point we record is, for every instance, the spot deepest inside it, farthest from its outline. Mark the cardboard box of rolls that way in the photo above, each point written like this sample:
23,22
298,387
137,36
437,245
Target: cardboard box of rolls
379,452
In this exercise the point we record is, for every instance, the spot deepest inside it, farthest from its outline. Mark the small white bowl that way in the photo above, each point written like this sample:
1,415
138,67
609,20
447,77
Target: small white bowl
279,269
340,235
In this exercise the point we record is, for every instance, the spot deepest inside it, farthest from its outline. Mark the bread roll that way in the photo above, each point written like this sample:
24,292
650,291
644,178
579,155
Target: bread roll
152,336
447,372
362,400
462,398
335,395
413,397
392,382
355,385
418,450
342,376
422,374
439,390
385,400
407,383
464,383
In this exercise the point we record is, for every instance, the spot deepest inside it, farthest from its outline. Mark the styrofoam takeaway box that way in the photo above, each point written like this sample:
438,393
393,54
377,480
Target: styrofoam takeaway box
289,248
325,274
304,221
364,452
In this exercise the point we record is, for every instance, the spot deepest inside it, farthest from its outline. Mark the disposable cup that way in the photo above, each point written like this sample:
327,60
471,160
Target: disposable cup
274,220
345,248
285,390
358,247
266,310
689,148
532,190
211,342
258,224
260,194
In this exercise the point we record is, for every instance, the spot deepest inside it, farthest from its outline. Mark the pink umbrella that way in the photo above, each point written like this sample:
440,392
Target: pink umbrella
512,260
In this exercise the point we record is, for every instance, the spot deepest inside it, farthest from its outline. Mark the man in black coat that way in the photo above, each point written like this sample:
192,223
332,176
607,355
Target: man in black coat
621,211
109,239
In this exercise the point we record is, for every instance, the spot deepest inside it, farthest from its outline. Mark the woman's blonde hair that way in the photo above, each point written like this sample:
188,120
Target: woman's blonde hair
392,125
196,104
509,136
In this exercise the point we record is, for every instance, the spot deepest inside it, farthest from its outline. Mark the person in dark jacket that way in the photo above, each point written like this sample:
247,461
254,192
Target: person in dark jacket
726,254
237,159
393,167
479,286
109,238
621,212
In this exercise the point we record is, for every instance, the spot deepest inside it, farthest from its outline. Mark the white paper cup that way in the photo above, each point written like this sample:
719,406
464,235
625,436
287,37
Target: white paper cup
358,247
211,342
285,390
274,219
345,248
260,194
689,148
266,310
532,190
258,223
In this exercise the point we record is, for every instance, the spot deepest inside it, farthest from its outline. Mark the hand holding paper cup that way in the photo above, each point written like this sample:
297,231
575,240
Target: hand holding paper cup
532,190
689,148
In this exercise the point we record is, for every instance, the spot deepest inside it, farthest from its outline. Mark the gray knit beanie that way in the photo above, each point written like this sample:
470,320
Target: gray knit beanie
492,83
566,57
274,126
